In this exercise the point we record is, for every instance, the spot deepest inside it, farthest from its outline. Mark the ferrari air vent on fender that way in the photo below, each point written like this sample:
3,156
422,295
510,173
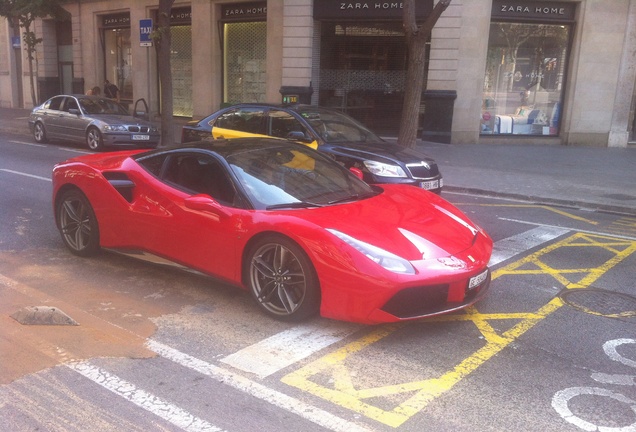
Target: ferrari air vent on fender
121,183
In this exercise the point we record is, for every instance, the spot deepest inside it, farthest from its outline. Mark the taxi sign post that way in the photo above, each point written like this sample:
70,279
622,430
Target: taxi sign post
145,29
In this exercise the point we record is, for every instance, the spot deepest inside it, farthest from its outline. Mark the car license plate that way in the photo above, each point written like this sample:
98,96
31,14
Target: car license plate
141,137
432,184
475,281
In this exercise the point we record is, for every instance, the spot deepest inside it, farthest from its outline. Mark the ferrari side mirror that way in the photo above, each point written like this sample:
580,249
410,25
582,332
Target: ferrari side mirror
206,203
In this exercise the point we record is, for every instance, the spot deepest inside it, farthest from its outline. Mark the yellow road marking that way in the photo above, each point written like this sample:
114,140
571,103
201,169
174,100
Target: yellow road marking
418,394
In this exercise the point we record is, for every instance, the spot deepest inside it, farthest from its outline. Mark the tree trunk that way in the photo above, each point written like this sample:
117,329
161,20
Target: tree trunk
30,51
416,38
407,136
163,45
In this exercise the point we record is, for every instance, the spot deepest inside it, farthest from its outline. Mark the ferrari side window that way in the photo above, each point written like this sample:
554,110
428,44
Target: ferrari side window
200,174
153,164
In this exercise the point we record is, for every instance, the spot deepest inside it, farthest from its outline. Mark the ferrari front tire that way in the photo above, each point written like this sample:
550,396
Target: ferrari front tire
77,223
282,279
94,139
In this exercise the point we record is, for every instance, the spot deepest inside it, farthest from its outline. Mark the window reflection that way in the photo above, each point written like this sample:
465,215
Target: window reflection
523,85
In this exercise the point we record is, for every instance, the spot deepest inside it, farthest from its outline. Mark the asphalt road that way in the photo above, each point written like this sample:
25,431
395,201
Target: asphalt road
553,346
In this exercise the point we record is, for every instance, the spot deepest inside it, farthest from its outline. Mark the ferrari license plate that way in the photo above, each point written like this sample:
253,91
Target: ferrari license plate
433,184
475,281
141,137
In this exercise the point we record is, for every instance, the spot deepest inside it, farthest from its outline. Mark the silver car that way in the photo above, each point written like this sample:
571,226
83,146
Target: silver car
95,120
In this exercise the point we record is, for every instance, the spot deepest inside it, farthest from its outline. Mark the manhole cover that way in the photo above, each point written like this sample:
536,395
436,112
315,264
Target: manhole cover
42,315
602,302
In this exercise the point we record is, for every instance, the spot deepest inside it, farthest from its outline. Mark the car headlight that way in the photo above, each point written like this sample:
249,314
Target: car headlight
378,255
154,129
115,128
384,170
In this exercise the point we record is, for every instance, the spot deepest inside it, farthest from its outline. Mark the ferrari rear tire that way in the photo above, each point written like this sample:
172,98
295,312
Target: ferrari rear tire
94,139
39,132
282,279
77,223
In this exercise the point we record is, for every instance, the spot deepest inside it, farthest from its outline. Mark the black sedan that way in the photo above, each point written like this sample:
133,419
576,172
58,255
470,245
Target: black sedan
329,131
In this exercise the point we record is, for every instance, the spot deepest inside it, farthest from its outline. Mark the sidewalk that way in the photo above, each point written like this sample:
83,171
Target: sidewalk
582,177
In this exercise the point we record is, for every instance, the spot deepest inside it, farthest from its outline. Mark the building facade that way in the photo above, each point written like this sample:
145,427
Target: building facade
498,71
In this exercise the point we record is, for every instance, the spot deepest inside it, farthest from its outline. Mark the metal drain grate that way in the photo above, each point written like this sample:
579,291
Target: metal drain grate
601,302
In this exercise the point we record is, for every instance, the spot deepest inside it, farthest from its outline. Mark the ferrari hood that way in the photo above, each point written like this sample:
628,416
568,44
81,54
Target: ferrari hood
406,221
372,151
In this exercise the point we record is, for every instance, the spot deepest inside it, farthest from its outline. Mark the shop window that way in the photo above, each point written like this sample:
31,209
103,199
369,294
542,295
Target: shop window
524,81
362,71
118,60
245,50
181,65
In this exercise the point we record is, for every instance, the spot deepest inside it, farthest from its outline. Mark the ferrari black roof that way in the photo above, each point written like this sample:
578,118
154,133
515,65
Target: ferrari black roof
228,147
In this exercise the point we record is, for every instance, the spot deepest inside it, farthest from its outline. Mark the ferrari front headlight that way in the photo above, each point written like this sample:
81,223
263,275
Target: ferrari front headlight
378,255
384,170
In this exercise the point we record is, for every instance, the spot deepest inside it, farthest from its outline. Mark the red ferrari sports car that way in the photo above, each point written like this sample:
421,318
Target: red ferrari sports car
293,227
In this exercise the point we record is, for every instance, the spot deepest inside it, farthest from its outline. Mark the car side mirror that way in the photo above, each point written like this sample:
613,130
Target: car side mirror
357,172
74,111
206,203
297,136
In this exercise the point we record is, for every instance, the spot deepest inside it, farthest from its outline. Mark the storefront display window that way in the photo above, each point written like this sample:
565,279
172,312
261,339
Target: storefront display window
245,51
362,71
117,54
181,61
525,72
181,64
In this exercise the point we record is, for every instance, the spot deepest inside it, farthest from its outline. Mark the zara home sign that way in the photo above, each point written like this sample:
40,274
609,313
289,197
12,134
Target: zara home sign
533,10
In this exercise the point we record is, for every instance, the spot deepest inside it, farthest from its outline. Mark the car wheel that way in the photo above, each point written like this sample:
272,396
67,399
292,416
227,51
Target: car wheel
39,133
282,279
94,139
77,223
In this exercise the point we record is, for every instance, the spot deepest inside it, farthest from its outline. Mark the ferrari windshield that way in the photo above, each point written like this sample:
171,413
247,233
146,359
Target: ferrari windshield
334,127
277,177
102,106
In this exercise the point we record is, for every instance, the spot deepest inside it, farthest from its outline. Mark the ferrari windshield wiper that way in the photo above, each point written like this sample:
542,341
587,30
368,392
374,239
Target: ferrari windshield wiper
297,204
353,197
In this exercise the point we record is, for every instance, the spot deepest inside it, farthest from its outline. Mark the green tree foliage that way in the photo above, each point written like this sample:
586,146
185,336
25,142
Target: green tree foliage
22,13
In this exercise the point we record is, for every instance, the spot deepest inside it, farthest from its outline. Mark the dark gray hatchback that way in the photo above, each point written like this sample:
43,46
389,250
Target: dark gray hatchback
329,131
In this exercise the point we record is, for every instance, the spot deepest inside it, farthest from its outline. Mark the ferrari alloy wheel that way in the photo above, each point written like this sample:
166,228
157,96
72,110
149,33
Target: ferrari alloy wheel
77,223
94,139
39,133
282,280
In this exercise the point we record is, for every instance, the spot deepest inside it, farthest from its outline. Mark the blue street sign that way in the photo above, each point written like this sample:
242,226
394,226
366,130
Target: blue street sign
145,29
15,41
